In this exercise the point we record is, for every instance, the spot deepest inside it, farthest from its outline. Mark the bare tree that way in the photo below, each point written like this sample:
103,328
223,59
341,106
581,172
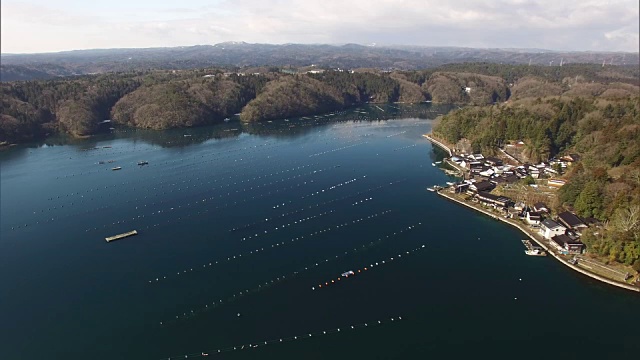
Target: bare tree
627,219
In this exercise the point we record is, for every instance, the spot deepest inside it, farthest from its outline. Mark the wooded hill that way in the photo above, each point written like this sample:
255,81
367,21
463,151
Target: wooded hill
166,99
601,122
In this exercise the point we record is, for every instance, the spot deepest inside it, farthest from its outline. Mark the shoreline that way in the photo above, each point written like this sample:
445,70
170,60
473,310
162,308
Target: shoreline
438,143
544,246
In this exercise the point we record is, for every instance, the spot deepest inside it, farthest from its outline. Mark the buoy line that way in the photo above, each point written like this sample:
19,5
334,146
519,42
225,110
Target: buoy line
148,189
279,279
201,202
166,175
396,134
360,270
256,223
295,222
338,149
272,341
275,245
214,198
405,147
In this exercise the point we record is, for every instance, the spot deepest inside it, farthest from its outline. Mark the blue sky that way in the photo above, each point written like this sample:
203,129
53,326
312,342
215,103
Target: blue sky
46,26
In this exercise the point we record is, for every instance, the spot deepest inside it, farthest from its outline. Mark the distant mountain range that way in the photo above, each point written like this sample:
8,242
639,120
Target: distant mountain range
241,54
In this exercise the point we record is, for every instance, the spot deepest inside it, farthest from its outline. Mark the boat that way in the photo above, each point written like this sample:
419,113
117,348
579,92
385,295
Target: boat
431,189
116,168
433,164
186,135
438,162
227,119
535,252
143,162
450,183
348,273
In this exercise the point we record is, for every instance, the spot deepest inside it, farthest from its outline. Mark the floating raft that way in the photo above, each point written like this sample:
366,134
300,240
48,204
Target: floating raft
121,236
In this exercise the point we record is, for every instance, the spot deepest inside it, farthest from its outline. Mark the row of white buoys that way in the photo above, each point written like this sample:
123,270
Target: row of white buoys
352,273
396,134
289,213
203,201
333,187
273,341
282,226
276,245
269,283
338,149
405,147
211,198
144,189
362,201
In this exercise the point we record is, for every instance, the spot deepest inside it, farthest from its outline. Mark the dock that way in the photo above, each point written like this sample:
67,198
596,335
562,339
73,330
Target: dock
533,249
121,236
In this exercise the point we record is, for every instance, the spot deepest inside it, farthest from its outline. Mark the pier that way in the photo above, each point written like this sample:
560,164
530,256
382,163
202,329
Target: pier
121,236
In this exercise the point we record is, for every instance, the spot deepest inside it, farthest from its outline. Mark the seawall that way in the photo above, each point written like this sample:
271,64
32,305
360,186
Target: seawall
544,246
438,143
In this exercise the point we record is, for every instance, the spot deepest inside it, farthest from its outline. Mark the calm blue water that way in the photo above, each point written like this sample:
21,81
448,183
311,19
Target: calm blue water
263,204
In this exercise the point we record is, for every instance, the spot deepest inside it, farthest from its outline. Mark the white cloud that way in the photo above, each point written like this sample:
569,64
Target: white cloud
552,24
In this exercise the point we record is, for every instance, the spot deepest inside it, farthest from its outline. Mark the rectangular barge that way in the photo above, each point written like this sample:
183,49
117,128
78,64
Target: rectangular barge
121,236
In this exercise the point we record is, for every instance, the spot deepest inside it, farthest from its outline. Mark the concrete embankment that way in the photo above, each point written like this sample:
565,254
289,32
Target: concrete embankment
438,143
544,246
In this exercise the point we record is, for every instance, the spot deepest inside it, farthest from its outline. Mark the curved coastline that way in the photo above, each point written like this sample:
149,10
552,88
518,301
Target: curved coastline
521,228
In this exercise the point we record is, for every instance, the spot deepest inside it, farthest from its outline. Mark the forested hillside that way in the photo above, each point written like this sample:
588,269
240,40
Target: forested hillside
165,99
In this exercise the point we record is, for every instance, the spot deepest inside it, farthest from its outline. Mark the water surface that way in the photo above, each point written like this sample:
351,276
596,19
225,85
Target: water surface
263,204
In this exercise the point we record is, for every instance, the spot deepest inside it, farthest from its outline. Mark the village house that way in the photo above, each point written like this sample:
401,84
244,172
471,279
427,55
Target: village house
550,228
571,221
533,218
482,186
491,199
540,207
556,183
571,158
566,245
492,161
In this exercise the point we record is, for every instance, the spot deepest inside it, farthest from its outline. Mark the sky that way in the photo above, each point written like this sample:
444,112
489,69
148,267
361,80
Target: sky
57,25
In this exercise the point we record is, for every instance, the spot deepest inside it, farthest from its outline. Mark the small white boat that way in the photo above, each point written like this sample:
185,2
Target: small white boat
227,119
116,168
433,164
438,162
348,273
431,189
535,252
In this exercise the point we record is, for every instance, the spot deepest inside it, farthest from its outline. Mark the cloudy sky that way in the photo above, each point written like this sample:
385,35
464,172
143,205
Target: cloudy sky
45,25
